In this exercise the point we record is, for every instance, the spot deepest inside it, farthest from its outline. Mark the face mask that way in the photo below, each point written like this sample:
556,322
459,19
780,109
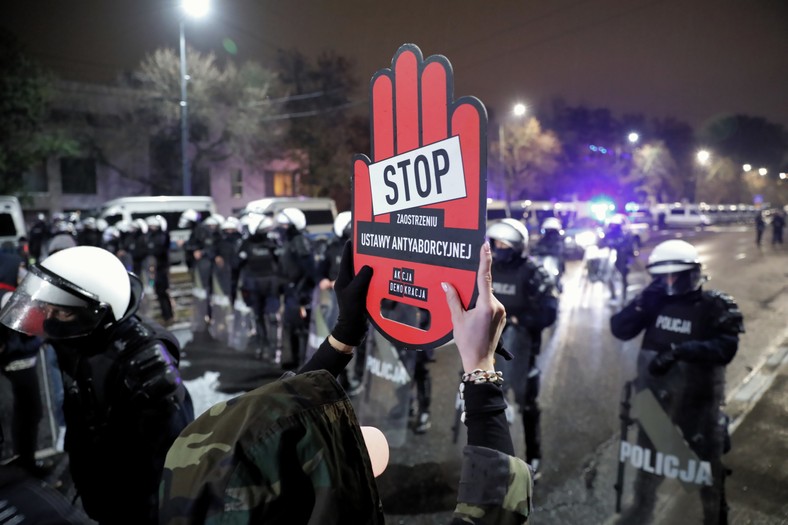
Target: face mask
60,329
503,255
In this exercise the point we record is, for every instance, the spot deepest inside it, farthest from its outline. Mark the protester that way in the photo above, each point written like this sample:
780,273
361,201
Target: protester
293,452
125,400
690,335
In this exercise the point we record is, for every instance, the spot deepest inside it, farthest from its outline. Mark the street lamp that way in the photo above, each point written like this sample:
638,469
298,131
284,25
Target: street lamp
633,137
193,9
762,172
747,168
703,157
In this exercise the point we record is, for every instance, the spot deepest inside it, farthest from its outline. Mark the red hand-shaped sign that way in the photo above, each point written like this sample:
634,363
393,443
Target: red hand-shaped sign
419,205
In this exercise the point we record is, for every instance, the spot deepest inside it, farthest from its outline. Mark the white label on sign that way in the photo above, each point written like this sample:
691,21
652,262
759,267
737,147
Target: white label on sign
428,175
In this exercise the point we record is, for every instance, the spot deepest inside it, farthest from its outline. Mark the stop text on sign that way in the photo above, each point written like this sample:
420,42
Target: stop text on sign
427,175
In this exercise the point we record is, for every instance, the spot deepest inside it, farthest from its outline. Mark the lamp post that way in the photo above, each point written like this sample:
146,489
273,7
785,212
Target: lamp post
518,110
194,9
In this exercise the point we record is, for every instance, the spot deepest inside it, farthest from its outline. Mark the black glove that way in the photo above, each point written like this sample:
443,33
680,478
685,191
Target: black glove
351,295
151,374
650,299
663,362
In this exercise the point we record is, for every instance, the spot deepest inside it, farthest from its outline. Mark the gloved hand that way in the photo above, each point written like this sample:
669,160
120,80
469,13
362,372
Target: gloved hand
351,294
651,297
663,362
151,374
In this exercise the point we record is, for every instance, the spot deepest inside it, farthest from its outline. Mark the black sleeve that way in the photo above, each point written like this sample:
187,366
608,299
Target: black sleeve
629,322
328,359
485,417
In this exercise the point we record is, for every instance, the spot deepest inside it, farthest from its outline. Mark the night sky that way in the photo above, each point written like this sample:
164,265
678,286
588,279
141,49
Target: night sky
688,59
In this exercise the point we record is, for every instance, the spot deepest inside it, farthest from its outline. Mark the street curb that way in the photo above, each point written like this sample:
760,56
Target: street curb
741,399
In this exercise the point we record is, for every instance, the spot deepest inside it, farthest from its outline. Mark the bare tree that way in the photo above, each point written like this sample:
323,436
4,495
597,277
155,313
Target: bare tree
527,159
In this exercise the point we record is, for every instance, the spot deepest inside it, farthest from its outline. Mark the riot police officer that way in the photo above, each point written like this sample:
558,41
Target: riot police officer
261,285
205,243
158,248
125,400
89,233
38,234
690,335
551,245
623,244
526,291
227,261
189,219
297,270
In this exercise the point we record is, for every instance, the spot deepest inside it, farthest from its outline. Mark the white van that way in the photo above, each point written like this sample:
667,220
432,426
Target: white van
168,206
320,212
12,222
679,215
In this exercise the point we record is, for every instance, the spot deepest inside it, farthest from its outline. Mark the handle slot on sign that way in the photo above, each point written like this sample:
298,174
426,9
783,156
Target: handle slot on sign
406,314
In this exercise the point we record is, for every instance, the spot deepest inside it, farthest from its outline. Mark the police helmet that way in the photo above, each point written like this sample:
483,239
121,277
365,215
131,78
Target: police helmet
511,232
212,222
675,264
139,225
89,224
343,224
264,225
291,216
551,223
155,222
188,218
231,224
72,293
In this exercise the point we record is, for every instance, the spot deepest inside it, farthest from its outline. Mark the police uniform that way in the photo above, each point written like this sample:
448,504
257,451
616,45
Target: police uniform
701,329
298,273
125,404
260,287
158,247
526,291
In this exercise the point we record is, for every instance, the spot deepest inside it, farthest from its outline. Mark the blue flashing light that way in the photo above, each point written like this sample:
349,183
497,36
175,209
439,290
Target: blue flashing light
631,206
592,147
603,151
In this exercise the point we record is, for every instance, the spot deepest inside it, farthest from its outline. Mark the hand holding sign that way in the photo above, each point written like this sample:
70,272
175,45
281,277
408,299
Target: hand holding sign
419,204
477,331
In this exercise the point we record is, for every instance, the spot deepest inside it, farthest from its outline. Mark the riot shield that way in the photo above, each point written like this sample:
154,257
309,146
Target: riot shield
221,309
385,403
243,326
148,278
200,294
325,311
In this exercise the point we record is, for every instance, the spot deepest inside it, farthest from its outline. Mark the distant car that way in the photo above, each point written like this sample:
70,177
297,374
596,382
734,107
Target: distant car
581,234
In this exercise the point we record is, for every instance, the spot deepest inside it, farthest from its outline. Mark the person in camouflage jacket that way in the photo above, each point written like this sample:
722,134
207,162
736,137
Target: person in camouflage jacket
293,452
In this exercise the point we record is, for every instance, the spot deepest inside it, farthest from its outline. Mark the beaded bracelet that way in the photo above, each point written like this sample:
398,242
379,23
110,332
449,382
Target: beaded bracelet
479,376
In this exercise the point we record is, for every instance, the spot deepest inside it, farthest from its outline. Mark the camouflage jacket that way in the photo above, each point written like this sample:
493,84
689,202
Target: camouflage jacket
292,452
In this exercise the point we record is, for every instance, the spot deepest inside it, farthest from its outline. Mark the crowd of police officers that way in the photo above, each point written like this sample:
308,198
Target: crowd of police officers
267,268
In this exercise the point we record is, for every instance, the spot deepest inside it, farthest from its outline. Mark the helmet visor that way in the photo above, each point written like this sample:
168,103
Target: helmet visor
678,283
45,305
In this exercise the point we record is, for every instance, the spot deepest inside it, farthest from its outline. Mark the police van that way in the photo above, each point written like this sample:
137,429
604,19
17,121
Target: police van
12,222
168,206
320,212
